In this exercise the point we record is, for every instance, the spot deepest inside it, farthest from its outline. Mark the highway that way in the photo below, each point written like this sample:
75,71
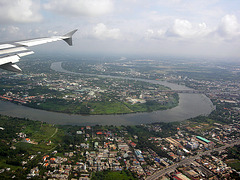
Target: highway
188,160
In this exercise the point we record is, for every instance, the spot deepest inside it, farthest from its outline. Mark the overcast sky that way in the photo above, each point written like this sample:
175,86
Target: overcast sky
160,27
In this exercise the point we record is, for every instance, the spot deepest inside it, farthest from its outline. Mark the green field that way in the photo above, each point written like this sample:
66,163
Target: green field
39,133
103,107
42,136
109,108
234,163
113,175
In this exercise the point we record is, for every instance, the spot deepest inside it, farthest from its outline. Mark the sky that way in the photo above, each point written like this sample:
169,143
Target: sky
199,28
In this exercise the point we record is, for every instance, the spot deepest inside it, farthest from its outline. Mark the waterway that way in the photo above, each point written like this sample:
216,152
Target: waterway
190,105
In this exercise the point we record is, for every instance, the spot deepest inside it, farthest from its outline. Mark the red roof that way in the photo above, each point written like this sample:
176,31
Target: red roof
133,144
175,177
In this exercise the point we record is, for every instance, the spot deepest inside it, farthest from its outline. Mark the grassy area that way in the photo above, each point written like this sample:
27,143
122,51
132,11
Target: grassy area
109,108
56,105
234,163
12,155
40,135
4,165
147,107
84,108
113,175
150,106
43,133
103,107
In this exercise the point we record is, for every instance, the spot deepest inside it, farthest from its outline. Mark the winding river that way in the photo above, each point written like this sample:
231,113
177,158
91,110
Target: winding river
190,105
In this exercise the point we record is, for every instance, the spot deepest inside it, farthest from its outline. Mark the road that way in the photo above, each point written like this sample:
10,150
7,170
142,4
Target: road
56,130
189,160
54,133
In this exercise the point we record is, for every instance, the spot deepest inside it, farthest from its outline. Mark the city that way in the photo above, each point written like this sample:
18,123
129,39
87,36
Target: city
203,147
120,90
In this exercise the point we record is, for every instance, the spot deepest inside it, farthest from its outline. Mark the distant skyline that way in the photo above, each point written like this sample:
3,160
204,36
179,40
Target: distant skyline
204,28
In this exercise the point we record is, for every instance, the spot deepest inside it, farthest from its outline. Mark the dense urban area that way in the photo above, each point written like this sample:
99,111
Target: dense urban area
204,147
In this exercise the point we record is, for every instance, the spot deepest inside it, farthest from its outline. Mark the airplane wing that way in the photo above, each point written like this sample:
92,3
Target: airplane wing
10,53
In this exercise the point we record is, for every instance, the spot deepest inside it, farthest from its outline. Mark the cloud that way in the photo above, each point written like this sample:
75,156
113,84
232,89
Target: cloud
154,34
185,29
80,7
229,27
20,11
52,32
180,29
10,32
100,31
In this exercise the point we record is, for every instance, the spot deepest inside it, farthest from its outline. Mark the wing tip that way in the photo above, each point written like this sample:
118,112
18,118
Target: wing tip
68,36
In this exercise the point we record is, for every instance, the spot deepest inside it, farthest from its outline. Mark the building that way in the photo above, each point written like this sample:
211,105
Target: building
192,145
139,155
180,176
203,139
27,140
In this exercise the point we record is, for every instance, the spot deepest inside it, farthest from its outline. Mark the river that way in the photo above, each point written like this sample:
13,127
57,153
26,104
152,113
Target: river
190,105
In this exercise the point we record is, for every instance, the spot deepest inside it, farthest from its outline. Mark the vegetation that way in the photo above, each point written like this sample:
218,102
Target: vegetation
234,163
110,175
42,89
40,135
101,107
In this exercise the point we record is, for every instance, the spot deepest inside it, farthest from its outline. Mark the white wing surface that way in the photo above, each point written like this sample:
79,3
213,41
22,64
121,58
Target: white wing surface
10,53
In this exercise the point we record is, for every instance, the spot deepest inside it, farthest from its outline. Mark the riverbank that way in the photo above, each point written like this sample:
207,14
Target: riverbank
88,95
190,105
102,108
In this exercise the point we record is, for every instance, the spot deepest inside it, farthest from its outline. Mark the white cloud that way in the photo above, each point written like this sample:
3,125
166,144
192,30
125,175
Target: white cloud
52,32
229,27
154,34
185,29
145,26
100,31
9,33
80,7
180,29
20,11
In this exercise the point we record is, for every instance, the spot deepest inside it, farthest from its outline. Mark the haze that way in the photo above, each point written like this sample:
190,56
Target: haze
143,27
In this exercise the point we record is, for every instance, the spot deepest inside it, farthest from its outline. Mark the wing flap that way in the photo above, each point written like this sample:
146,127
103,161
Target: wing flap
8,63
5,46
9,59
11,67
13,50
25,53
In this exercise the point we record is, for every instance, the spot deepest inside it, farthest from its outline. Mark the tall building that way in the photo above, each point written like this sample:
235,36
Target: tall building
192,145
